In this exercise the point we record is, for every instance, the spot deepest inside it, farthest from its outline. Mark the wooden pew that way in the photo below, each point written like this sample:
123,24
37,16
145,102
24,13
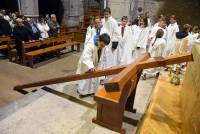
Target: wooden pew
12,52
47,46
3,42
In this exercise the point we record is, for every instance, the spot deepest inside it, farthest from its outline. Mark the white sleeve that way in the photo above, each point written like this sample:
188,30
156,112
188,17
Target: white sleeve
88,36
40,28
87,57
46,28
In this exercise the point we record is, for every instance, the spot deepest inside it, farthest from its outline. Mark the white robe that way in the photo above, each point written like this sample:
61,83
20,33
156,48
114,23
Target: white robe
112,57
87,37
44,28
140,41
89,60
172,29
156,49
125,46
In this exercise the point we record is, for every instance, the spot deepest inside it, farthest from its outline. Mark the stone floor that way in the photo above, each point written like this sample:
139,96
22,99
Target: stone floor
56,109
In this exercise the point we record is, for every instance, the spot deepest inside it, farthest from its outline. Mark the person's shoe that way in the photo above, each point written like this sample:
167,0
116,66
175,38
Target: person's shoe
157,75
87,95
102,82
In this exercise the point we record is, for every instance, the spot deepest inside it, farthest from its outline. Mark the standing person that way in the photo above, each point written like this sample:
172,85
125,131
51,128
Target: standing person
172,29
182,44
126,41
94,32
148,19
87,38
112,51
161,18
161,25
156,49
54,26
43,27
5,28
21,35
141,40
91,60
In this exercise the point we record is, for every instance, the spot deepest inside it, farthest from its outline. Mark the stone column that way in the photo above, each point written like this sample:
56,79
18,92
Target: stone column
73,12
29,7
119,8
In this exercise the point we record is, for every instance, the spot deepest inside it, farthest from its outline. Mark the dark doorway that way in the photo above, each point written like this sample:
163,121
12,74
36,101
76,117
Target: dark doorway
9,5
51,7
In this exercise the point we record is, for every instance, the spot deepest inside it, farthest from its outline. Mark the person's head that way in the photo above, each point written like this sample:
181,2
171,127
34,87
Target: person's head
162,17
142,22
28,20
107,12
195,29
97,22
124,21
13,16
135,22
19,21
159,33
53,18
186,28
3,11
41,19
91,20
103,41
172,19
162,24
1,15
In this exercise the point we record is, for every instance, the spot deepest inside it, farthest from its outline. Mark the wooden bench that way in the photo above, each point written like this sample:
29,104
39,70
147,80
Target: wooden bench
12,52
47,46
3,42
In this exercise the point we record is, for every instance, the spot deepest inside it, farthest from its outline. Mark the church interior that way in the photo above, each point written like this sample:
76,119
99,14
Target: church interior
99,67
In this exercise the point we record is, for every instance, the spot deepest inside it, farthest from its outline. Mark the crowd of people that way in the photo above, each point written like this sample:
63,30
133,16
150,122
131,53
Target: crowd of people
109,44
24,29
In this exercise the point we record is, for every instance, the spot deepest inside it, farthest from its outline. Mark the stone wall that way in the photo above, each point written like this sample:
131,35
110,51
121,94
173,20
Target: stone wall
29,7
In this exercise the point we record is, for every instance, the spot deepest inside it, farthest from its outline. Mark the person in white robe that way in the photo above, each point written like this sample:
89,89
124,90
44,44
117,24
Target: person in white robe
96,30
192,37
43,28
112,51
125,41
91,60
172,29
91,26
156,49
140,40
161,18
161,25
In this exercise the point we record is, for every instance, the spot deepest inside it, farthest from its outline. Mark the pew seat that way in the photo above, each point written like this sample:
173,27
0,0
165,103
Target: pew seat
3,47
30,55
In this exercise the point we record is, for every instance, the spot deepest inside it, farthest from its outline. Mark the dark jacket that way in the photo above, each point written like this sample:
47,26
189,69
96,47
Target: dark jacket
32,36
5,28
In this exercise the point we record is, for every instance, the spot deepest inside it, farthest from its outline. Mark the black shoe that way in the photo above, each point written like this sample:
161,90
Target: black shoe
157,75
87,95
